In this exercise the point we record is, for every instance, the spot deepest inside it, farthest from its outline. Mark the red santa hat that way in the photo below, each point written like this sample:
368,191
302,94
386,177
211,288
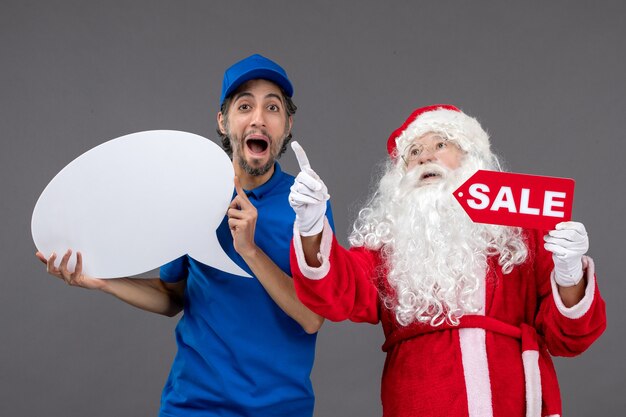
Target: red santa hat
442,118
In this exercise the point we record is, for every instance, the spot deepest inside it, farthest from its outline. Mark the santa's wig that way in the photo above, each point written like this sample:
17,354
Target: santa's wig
436,257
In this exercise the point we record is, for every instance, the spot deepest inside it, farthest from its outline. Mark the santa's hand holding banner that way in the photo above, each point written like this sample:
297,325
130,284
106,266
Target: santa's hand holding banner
471,311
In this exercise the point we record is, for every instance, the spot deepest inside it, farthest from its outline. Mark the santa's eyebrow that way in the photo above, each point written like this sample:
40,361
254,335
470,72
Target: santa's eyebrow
413,145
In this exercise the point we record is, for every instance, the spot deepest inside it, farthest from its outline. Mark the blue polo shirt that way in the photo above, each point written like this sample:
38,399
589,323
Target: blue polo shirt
238,353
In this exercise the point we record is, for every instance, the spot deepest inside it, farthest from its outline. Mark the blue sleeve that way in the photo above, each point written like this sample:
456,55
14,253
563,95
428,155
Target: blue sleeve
329,216
176,270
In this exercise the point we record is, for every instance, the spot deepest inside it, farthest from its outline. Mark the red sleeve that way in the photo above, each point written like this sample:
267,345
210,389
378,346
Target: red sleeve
567,331
345,290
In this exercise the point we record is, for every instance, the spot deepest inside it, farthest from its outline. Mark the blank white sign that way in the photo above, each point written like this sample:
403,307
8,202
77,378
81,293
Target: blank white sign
137,202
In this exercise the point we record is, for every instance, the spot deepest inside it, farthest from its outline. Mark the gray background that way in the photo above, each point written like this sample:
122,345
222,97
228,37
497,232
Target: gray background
545,78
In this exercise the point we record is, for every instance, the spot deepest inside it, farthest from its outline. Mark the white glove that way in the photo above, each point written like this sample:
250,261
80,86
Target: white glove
308,196
568,243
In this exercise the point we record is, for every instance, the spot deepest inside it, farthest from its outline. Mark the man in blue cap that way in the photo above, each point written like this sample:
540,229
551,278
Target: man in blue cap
245,346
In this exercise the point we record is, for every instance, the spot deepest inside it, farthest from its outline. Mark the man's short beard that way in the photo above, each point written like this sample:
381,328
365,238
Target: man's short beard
435,256
256,171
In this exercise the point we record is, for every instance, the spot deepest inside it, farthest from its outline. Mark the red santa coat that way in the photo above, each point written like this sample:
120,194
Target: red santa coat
496,363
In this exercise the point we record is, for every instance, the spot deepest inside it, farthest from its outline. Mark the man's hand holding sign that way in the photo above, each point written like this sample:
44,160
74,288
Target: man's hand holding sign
76,277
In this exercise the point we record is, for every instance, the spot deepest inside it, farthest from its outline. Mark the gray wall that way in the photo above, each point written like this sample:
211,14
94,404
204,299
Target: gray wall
545,78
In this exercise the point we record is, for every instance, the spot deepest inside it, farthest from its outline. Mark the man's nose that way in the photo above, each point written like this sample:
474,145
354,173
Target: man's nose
258,118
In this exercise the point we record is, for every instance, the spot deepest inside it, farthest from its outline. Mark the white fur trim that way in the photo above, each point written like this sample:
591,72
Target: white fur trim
532,376
458,126
476,371
578,310
325,246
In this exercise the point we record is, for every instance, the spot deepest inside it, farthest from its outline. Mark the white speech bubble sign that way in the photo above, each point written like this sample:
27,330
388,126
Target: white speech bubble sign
137,202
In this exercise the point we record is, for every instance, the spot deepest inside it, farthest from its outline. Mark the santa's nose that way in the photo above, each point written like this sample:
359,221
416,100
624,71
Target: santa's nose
426,156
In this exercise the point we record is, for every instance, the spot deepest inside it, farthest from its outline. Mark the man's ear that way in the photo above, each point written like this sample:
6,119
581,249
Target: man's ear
290,123
220,122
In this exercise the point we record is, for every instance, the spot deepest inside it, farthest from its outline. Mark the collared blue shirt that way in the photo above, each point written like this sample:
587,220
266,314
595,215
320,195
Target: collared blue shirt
239,354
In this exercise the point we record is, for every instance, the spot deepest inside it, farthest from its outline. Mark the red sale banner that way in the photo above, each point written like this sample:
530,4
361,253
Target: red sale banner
523,200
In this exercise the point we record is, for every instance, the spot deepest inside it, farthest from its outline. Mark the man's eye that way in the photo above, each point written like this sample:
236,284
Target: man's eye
244,107
414,152
441,145
273,107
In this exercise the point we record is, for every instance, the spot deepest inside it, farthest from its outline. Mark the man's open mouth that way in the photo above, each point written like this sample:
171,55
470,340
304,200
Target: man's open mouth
257,145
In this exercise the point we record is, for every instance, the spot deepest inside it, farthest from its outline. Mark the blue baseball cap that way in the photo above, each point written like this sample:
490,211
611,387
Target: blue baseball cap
252,68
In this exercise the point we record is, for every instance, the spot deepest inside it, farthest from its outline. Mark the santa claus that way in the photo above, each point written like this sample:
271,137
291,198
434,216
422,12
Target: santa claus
471,312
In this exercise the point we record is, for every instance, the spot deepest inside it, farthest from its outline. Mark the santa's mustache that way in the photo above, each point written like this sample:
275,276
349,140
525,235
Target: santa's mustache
422,172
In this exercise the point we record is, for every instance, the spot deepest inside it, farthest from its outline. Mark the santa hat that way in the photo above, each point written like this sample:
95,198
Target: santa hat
446,119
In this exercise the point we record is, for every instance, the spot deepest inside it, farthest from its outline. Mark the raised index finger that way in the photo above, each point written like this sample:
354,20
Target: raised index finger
240,192
303,161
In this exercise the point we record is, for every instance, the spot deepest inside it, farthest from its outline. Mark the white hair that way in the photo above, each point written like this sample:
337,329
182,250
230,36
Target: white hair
435,256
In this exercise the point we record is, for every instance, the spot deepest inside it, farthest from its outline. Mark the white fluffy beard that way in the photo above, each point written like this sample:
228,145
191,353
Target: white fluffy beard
436,256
